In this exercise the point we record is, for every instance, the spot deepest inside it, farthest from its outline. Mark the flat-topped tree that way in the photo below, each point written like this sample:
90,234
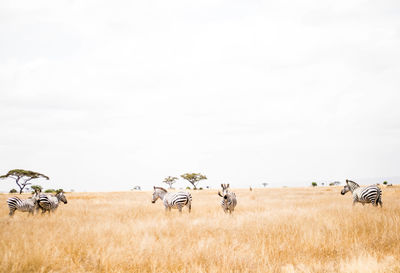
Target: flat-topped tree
170,180
22,177
193,178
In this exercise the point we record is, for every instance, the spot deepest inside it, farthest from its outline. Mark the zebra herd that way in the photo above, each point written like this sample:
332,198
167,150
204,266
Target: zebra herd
45,202
49,202
370,194
181,199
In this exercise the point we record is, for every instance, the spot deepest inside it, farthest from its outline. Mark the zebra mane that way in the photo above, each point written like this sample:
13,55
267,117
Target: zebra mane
352,182
159,188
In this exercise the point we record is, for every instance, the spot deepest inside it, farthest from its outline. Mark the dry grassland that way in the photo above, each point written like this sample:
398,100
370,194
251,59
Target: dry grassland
272,230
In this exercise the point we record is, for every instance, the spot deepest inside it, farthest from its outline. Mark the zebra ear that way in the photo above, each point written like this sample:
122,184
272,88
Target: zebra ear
154,187
219,194
222,185
227,186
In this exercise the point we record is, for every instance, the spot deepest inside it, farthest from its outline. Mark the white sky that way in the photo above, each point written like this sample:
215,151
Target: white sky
106,95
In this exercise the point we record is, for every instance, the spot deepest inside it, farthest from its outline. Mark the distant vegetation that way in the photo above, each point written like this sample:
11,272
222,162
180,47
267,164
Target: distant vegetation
170,180
193,178
22,177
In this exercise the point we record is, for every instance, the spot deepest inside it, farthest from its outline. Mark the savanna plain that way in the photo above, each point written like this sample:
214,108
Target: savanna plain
271,230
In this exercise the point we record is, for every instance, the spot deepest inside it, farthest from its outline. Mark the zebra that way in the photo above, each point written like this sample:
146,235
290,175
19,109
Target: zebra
172,200
229,201
50,202
25,205
370,194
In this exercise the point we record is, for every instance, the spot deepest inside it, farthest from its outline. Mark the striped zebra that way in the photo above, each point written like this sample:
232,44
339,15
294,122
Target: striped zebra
370,194
173,200
25,205
50,202
229,201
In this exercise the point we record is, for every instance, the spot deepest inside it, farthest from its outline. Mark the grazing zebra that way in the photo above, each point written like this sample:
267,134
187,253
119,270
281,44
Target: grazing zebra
26,205
173,200
229,201
371,194
50,202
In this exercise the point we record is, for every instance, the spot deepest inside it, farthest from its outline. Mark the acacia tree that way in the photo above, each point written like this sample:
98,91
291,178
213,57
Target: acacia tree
193,178
22,177
170,180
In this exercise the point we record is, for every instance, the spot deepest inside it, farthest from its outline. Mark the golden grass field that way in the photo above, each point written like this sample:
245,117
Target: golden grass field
272,230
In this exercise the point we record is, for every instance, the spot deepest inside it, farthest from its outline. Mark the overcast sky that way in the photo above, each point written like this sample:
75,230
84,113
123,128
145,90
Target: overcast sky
106,95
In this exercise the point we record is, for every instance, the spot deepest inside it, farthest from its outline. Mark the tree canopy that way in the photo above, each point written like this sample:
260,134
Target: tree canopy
170,180
22,177
193,178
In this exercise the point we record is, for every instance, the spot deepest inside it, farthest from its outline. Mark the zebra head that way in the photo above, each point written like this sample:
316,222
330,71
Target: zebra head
158,193
224,188
60,196
225,192
36,195
350,186
345,189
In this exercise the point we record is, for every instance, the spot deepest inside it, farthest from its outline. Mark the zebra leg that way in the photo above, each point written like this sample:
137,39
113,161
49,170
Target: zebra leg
12,210
190,207
180,209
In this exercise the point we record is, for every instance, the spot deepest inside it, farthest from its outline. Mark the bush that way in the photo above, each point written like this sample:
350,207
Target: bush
13,191
50,190
314,184
384,182
200,188
36,187
188,188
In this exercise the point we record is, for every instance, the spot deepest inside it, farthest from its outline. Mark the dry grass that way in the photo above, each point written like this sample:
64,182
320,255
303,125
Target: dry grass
272,230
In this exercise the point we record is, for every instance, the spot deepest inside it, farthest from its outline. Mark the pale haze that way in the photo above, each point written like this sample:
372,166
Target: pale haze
107,95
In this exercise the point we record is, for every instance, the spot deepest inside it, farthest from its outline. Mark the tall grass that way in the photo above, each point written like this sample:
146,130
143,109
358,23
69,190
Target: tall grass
271,230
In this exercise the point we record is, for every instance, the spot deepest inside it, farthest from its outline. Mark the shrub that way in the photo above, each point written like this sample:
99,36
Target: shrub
314,184
50,190
13,191
384,182
36,187
200,188
188,188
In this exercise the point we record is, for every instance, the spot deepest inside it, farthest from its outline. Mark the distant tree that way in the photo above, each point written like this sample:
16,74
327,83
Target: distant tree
50,190
264,184
36,188
22,177
314,184
13,191
193,178
170,180
384,182
323,184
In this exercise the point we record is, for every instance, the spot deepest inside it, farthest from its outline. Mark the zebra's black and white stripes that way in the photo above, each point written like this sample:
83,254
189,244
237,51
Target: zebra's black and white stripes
229,201
50,202
171,200
370,194
23,205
